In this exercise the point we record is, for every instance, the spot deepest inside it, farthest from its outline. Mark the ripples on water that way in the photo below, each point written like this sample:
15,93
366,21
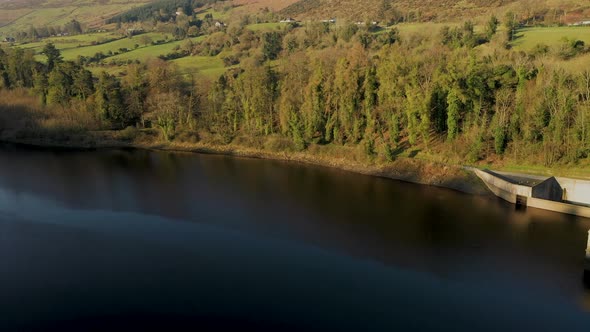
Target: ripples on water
128,239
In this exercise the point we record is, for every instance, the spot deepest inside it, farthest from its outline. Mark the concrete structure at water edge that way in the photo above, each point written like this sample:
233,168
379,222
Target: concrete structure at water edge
564,195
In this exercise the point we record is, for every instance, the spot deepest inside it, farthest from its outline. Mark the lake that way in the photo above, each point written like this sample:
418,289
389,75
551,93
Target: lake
144,240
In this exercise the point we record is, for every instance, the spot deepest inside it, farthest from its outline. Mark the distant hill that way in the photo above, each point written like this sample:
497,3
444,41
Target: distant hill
258,4
16,15
21,15
426,10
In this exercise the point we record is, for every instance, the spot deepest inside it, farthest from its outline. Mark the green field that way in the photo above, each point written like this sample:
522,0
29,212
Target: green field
152,51
264,26
68,42
429,27
73,46
528,38
91,15
205,65
114,46
217,15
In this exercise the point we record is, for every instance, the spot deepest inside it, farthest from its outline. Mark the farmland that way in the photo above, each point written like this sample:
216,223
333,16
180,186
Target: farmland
91,14
264,26
121,49
527,38
152,51
204,65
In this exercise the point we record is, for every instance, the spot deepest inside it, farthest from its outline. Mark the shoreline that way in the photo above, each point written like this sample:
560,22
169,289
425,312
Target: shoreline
410,170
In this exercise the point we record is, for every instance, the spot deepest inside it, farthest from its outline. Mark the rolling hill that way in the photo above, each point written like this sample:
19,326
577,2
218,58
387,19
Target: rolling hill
426,10
16,15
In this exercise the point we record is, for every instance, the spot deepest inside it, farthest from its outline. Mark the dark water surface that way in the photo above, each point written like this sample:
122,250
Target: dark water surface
137,240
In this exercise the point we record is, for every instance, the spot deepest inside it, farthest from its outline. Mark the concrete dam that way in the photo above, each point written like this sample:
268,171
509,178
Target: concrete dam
564,195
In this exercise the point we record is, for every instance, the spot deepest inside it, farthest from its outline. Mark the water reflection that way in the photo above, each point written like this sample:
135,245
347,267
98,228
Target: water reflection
263,234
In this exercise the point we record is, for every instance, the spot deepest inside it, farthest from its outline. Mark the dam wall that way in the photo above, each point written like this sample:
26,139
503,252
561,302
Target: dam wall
502,187
563,195
574,190
577,210
577,191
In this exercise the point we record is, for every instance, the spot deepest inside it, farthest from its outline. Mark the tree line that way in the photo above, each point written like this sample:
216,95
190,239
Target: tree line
316,85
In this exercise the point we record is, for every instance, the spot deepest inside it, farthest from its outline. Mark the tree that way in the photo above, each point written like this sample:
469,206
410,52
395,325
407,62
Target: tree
389,37
145,40
453,113
53,55
40,85
179,33
272,45
256,89
83,85
510,24
73,27
491,27
165,109
193,31
58,87
109,102
136,90
504,105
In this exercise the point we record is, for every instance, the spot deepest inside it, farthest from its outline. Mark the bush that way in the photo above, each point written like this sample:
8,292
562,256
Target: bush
128,134
278,143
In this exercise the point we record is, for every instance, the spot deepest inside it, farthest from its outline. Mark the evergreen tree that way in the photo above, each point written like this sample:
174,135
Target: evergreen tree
53,56
453,113
109,102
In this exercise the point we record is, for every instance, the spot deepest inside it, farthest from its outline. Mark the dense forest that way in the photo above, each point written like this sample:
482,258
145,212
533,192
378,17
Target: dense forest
459,93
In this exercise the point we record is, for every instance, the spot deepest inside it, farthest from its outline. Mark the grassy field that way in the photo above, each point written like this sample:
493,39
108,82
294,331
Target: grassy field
217,15
205,65
64,43
264,26
421,27
73,46
152,51
114,46
528,38
90,13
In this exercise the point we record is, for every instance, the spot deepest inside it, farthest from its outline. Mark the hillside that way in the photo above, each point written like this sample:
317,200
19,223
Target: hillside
425,10
19,15
254,5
